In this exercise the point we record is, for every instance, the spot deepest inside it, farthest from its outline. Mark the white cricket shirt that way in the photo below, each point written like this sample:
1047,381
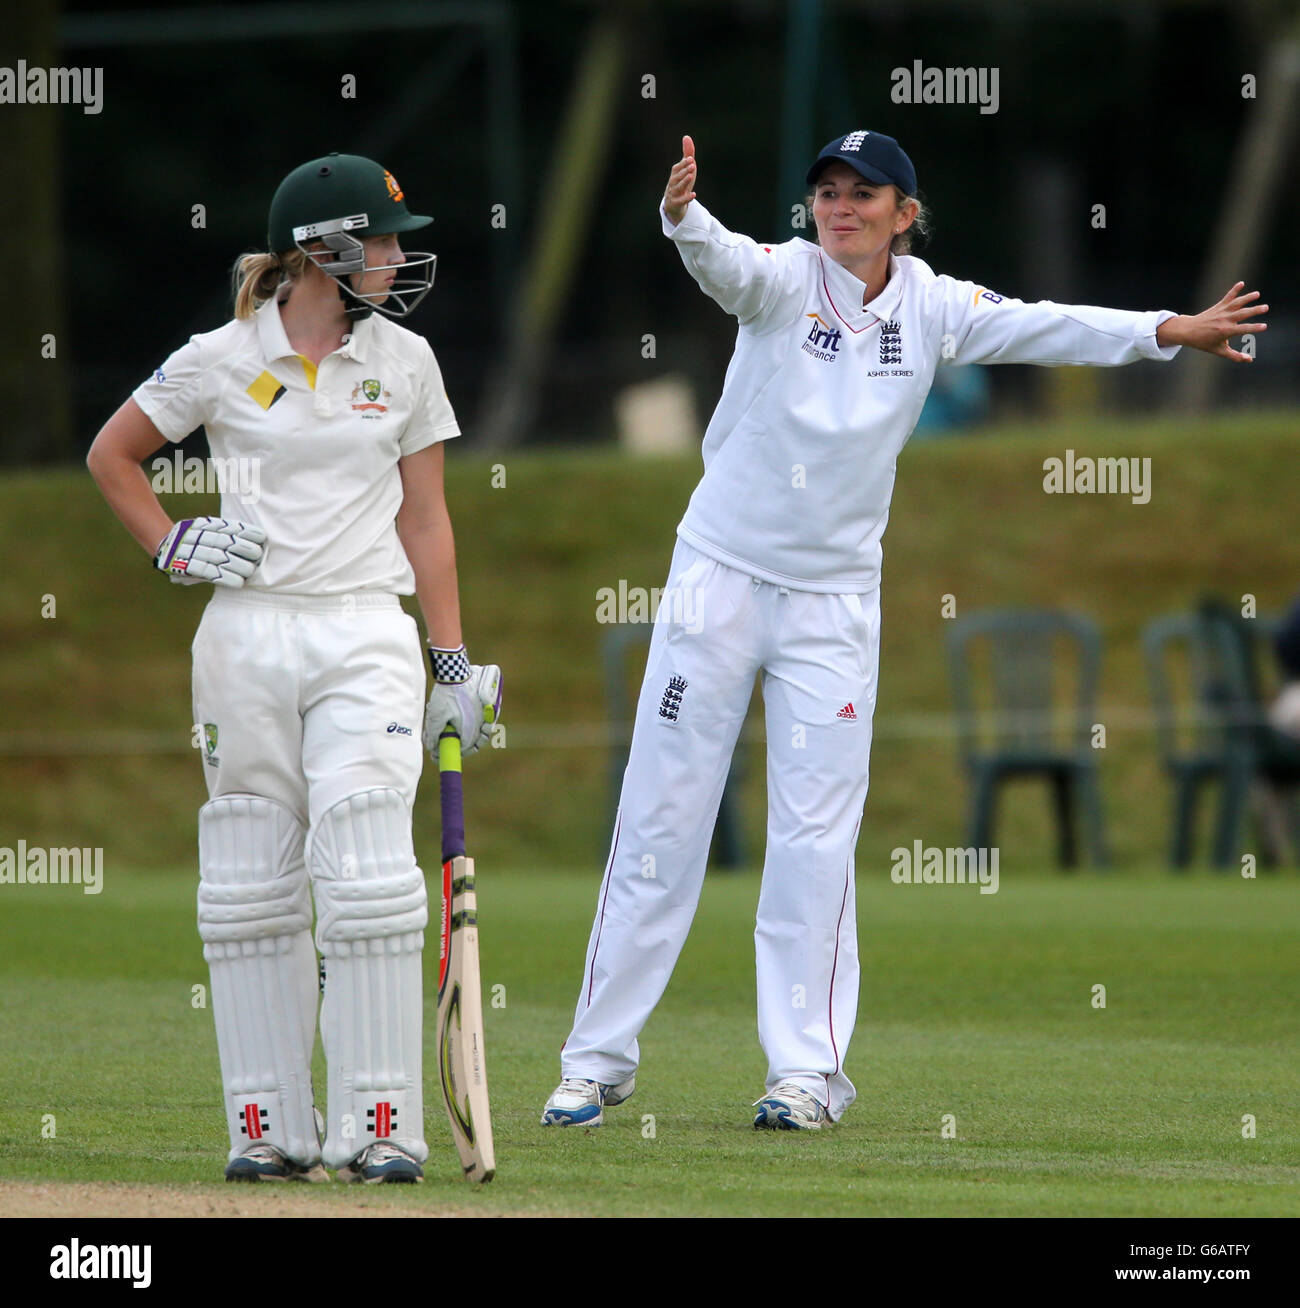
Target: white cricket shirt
822,393
324,443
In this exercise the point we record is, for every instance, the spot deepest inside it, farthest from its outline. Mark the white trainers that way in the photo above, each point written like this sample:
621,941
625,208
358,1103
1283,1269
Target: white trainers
267,1163
582,1103
789,1107
382,1164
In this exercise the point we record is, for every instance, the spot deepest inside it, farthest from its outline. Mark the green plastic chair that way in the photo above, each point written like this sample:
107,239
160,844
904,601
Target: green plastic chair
1216,730
622,640
1030,714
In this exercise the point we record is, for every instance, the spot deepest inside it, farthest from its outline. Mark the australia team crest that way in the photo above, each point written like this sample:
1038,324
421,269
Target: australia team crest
367,397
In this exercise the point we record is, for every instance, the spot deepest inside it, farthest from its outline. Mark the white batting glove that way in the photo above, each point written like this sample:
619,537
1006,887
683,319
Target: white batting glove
210,549
465,696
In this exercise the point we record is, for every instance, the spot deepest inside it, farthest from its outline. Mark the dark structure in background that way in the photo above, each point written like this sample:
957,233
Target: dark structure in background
39,424
539,135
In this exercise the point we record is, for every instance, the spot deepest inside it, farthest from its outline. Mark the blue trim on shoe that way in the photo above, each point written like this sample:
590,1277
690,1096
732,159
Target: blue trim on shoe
249,1169
398,1169
777,1114
774,1114
573,1117
276,1168
395,1170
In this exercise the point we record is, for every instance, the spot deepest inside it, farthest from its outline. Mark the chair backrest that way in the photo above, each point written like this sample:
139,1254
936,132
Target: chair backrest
1024,681
1203,689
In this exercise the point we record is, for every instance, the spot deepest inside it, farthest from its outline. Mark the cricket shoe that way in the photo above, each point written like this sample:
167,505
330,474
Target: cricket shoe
582,1103
789,1107
383,1163
267,1163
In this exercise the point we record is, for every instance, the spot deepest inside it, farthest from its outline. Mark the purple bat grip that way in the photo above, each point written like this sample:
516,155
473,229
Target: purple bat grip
452,795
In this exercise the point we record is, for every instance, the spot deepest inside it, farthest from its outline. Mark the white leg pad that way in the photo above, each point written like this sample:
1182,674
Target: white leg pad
372,909
255,923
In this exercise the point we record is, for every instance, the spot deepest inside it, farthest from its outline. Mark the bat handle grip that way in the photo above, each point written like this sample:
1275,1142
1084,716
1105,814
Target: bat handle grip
452,795
449,750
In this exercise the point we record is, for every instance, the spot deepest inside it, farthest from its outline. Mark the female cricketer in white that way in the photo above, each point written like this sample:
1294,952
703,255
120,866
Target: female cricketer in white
780,553
327,419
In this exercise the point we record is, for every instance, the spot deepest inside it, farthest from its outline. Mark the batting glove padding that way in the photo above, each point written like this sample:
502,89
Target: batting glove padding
466,697
210,549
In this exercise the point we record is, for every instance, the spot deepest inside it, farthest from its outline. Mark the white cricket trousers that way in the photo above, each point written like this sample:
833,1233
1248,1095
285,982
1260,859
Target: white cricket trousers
311,714
308,699
818,655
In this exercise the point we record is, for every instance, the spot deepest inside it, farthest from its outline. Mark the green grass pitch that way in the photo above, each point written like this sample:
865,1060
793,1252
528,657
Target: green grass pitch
978,1007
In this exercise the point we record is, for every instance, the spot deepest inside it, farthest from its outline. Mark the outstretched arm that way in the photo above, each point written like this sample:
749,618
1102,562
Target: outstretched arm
755,283
982,327
1210,331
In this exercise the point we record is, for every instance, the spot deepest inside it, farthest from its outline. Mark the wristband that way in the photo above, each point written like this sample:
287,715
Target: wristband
450,666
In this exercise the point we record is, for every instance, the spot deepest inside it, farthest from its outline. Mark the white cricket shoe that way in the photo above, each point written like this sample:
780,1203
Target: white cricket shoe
582,1103
789,1107
382,1164
267,1163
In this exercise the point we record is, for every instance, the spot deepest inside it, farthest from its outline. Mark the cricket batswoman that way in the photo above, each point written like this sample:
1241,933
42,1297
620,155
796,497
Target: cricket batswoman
776,572
308,676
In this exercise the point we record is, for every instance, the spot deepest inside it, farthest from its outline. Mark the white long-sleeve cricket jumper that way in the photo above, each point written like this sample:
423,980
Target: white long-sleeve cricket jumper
822,393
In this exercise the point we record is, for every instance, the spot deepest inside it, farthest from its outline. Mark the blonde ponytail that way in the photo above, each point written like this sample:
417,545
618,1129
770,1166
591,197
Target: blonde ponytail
256,278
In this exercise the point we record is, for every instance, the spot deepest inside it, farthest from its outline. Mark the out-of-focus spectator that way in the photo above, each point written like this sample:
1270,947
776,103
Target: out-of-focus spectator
1284,714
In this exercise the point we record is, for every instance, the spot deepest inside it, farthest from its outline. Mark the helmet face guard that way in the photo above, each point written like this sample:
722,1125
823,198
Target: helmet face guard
332,203
344,257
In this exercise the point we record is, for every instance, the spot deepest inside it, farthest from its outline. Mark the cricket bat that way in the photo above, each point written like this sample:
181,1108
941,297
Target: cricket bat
461,1066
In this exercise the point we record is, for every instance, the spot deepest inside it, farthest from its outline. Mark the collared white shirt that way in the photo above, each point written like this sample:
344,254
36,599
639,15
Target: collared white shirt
822,393
309,454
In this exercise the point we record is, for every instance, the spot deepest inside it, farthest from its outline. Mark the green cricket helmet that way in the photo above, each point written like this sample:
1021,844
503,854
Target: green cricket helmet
333,201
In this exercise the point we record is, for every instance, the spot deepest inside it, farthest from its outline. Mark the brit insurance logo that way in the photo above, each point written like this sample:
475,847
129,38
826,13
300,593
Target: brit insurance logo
366,397
823,342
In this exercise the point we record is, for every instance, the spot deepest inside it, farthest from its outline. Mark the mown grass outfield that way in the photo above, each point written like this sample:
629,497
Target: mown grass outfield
975,1006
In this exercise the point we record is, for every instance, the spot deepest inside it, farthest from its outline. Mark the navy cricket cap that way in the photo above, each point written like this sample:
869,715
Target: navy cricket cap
877,157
